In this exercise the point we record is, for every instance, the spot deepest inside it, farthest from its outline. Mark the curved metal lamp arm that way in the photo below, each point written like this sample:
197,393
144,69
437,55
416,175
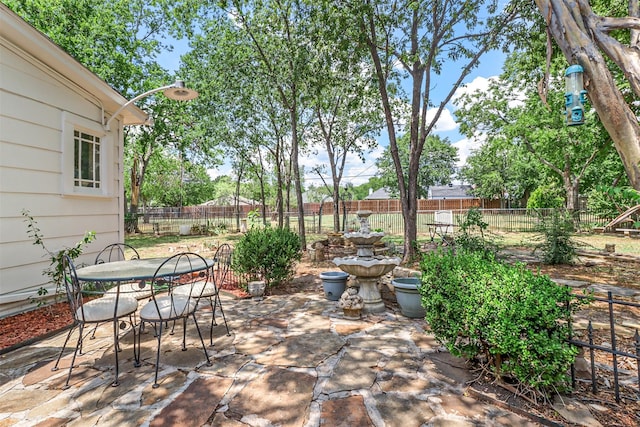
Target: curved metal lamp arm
175,91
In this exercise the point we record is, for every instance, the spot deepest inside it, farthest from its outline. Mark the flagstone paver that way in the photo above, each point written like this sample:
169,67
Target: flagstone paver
305,350
403,411
278,395
194,405
357,369
346,412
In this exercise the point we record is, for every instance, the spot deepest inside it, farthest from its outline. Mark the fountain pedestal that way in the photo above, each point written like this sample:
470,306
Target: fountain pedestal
365,266
370,294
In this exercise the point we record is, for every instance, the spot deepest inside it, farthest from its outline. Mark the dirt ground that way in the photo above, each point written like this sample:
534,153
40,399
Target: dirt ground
594,268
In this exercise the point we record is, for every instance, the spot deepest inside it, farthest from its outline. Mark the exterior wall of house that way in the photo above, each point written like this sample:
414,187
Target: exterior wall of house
39,109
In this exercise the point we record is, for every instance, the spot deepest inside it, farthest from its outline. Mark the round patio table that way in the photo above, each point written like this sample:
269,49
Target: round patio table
139,269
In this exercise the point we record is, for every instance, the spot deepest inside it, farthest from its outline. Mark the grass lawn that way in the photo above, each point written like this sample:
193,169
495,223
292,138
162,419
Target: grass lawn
151,245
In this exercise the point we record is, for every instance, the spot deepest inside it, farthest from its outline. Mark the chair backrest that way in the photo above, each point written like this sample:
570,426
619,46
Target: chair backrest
116,252
168,276
72,286
444,217
222,259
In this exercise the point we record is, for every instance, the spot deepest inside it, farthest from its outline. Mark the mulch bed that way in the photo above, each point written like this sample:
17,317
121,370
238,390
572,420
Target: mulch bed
25,327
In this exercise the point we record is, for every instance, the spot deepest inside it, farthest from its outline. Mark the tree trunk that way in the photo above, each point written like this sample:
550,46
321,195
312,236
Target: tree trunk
581,35
279,186
237,195
296,172
131,222
571,188
336,207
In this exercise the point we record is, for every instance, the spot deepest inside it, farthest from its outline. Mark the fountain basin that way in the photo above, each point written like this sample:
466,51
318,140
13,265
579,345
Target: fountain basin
364,242
367,267
358,238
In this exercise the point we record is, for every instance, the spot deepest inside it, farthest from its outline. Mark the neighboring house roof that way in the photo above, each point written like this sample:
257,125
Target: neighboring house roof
450,192
17,32
379,194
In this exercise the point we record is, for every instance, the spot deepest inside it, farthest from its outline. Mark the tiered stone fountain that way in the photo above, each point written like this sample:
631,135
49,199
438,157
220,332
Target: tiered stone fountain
365,266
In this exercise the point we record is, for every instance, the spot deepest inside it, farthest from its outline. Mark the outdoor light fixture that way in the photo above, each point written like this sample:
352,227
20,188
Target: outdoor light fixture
575,95
175,91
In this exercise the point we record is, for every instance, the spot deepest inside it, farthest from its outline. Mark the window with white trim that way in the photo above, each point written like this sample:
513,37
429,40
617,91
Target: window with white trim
86,159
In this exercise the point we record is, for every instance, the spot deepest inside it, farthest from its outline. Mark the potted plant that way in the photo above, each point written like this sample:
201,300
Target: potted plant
408,296
333,284
256,289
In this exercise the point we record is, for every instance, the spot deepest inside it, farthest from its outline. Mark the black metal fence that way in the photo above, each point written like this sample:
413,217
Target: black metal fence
614,349
207,219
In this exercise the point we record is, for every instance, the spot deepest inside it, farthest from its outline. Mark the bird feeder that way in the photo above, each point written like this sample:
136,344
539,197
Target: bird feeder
575,95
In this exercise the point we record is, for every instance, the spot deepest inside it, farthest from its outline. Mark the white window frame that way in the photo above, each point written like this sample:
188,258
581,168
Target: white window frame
73,123
87,152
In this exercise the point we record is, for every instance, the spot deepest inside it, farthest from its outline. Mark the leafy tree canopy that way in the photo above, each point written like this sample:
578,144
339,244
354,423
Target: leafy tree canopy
437,164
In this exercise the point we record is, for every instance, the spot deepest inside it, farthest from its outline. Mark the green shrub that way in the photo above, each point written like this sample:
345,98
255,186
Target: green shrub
547,196
478,306
268,254
555,239
473,233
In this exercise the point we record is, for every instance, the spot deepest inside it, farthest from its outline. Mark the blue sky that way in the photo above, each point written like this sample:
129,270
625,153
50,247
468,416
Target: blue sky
357,172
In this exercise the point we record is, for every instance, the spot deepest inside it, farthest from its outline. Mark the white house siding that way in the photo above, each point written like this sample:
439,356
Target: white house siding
37,103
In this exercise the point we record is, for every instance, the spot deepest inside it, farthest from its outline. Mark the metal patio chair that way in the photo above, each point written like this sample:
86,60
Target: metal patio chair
167,305
211,289
117,252
99,310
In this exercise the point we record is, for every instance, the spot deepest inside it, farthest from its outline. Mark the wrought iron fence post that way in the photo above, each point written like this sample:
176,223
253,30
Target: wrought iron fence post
592,357
613,347
636,338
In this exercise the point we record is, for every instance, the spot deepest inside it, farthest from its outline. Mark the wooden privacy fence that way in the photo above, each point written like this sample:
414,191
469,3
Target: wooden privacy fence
393,205
378,206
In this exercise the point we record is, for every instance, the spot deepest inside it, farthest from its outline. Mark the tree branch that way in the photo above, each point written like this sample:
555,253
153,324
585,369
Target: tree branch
627,58
634,11
607,24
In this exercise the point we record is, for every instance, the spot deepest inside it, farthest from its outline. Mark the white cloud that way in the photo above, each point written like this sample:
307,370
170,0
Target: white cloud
465,146
479,84
445,122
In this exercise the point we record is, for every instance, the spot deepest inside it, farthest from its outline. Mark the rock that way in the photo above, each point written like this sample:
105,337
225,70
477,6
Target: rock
575,412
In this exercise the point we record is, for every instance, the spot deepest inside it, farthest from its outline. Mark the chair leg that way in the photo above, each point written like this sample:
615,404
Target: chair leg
73,359
204,347
93,334
159,332
184,333
218,303
116,350
213,321
213,311
136,349
55,367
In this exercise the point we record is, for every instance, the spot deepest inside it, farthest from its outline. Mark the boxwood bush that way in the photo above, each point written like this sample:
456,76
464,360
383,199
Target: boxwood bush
480,307
268,254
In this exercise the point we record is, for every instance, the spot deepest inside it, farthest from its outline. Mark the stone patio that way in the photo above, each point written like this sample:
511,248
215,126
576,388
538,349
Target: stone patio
290,361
